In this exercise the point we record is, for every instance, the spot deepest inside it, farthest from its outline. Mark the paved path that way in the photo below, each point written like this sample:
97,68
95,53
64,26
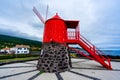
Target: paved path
82,70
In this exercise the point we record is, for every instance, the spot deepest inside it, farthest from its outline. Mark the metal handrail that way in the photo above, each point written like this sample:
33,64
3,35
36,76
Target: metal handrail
96,49
72,35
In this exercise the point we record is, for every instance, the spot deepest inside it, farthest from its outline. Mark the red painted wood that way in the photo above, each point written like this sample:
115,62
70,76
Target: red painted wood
55,30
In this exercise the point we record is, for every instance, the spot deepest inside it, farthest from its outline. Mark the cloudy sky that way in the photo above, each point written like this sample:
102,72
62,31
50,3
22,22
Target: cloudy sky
99,19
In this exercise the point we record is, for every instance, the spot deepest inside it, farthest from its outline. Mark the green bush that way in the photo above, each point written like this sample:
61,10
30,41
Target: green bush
73,55
11,56
7,56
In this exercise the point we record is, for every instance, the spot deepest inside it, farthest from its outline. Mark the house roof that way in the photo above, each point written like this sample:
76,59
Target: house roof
22,46
6,48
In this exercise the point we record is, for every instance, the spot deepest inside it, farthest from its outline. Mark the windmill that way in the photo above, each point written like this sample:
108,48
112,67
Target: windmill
52,59
56,40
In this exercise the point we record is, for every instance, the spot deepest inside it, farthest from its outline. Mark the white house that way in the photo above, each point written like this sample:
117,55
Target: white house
21,49
5,50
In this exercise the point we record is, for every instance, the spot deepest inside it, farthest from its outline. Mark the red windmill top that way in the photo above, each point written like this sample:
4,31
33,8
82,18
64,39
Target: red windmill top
69,23
56,29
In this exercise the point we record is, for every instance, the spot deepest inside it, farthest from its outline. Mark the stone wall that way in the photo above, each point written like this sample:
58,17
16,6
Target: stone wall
53,58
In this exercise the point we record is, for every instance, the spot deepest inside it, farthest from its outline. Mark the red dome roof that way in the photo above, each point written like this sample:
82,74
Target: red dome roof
56,16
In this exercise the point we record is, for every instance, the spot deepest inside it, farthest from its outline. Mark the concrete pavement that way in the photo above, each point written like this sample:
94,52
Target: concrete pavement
83,69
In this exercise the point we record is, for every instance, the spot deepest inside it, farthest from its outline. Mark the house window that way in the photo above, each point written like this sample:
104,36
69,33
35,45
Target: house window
19,48
25,48
25,51
17,51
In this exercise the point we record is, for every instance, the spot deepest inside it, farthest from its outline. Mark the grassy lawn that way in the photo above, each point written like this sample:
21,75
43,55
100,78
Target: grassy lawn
18,59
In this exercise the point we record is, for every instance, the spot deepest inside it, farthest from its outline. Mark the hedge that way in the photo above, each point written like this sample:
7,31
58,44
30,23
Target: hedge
11,56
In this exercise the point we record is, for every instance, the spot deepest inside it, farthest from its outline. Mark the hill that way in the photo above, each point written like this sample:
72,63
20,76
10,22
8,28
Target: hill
10,41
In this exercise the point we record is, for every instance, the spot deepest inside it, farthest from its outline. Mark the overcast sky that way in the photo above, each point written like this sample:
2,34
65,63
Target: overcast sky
99,19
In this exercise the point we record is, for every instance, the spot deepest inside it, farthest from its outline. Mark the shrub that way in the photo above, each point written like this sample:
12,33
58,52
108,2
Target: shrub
73,55
11,56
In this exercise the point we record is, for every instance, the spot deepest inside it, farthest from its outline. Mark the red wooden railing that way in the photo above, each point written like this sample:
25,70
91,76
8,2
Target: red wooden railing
94,52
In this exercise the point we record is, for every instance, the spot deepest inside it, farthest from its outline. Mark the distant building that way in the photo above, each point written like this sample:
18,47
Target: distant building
22,49
18,49
5,50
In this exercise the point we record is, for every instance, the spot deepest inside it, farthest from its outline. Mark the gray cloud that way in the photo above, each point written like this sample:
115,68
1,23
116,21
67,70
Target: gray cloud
18,34
99,20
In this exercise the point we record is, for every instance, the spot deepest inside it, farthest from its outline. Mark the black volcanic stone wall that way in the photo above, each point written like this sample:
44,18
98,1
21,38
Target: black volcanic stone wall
53,58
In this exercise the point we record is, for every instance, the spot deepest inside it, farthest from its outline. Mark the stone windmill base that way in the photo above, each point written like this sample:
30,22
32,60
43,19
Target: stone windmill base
53,58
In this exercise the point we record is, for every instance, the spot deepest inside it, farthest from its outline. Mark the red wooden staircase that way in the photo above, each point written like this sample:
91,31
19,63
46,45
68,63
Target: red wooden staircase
94,52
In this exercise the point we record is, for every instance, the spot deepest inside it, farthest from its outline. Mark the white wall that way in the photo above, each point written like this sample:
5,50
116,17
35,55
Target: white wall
22,51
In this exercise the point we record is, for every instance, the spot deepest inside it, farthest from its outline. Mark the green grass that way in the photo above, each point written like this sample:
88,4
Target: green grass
41,72
18,59
116,59
12,56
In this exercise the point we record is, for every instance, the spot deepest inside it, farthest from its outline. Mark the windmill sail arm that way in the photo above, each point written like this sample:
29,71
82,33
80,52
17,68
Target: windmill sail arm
46,12
38,14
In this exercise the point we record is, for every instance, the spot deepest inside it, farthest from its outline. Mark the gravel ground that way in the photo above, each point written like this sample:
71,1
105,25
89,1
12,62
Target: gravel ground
82,69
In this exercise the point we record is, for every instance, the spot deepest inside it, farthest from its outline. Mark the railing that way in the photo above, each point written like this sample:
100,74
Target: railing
93,47
73,35
96,54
